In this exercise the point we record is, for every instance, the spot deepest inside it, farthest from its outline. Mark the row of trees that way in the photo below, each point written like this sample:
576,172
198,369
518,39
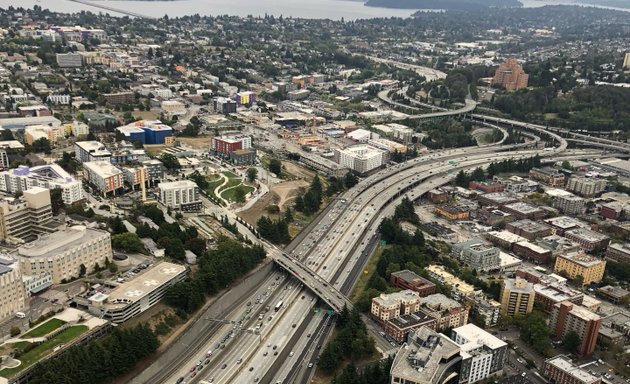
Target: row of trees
352,342
100,361
506,166
339,184
217,269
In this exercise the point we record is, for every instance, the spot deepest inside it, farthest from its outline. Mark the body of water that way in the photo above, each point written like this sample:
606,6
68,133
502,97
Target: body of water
311,9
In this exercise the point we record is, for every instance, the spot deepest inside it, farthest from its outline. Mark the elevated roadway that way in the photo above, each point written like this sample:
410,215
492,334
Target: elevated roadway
102,6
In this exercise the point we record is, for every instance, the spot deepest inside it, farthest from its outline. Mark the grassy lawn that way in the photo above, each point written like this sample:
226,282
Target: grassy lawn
233,181
42,350
44,329
230,193
231,175
363,280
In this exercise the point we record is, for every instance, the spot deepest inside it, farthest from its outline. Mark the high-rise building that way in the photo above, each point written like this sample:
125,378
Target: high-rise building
181,195
483,355
91,151
23,218
510,75
626,61
569,317
586,186
12,295
517,297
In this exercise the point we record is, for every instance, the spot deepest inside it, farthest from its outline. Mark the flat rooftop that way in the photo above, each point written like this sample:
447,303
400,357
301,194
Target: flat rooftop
59,242
563,363
524,208
141,285
102,168
582,258
565,222
476,337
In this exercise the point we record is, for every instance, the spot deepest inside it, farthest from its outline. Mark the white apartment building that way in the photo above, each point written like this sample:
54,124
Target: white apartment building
48,176
63,252
182,195
58,99
103,176
483,354
69,60
361,158
91,151
12,292
586,186
79,129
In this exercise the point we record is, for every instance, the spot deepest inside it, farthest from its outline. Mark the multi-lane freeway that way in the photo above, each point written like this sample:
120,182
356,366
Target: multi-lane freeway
273,334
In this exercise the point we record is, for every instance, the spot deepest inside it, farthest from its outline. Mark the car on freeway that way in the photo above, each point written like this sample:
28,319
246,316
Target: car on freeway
223,366
310,365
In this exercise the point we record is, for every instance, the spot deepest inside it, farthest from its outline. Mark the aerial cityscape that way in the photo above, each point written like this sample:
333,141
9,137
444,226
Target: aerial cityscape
392,192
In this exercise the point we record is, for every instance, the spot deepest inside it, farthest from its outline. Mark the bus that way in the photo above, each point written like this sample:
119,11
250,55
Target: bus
278,306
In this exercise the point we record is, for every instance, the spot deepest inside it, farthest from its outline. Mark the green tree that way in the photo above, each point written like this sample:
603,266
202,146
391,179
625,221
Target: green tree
82,270
41,145
571,342
170,162
350,180
239,195
275,166
15,331
252,174
56,200
69,163
128,242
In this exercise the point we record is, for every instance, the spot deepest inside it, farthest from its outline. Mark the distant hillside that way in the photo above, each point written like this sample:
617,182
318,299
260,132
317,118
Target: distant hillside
443,4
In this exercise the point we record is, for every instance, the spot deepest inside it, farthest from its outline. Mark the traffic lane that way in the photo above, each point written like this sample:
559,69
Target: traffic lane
520,368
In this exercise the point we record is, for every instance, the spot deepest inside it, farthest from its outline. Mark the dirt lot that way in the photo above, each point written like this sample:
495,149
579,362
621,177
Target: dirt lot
281,195
145,115
202,142
298,171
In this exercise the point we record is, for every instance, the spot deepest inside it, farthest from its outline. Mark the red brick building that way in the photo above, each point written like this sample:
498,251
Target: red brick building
407,279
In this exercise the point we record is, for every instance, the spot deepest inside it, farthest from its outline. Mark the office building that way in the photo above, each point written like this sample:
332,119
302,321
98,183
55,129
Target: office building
361,158
33,133
567,317
24,218
626,61
529,229
48,176
561,370
12,293
180,195
146,132
548,176
447,312
69,60
517,297
393,305
615,295
62,253
427,357
478,255
173,107
578,263
104,177
407,279
91,151
483,355
138,294
510,75
585,186
587,239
